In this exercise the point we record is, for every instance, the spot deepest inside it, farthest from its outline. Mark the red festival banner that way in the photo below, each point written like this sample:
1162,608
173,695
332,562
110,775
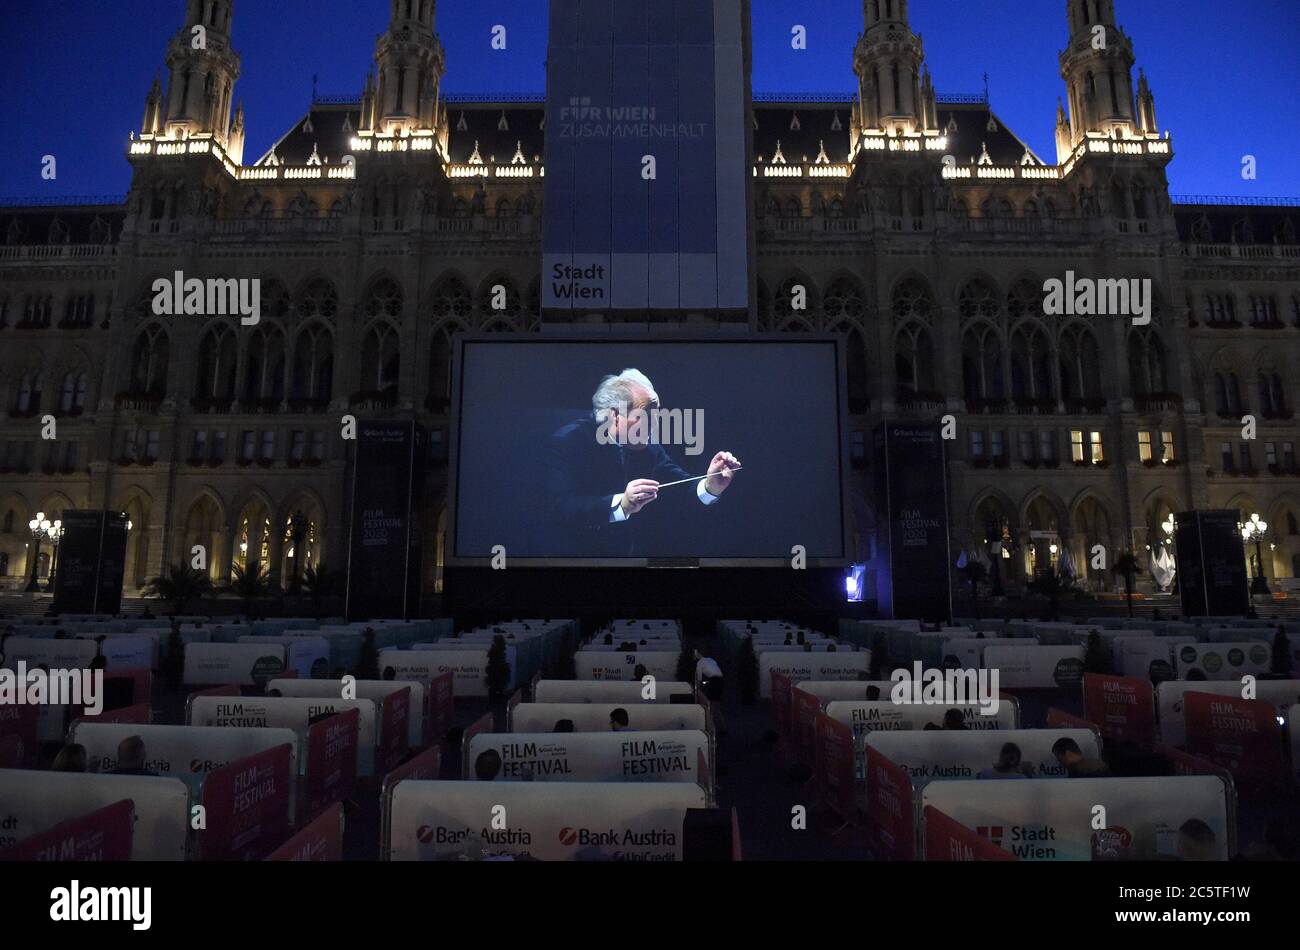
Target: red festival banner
13,752
1060,719
442,709
781,699
950,840
21,722
836,776
394,728
1242,735
140,715
246,807
332,759
320,840
103,835
805,707
1184,763
425,766
1122,706
891,830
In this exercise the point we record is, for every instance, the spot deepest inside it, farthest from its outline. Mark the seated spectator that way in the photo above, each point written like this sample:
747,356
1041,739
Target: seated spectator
618,720
563,725
873,694
488,765
1077,765
131,757
71,758
1008,765
1196,841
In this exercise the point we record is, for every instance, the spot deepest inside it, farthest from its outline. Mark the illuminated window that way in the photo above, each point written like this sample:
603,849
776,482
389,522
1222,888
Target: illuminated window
1167,446
1098,450
1144,446
1076,445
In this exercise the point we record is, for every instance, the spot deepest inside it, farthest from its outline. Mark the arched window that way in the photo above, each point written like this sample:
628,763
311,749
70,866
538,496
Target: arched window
8,525
318,300
1080,364
1031,363
29,392
1146,361
440,368
264,365
149,359
313,364
384,300
381,358
74,392
843,301
217,364
982,353
914,361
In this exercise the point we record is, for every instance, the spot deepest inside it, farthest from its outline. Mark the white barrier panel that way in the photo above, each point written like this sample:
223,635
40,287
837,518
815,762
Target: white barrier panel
645,645
887,715
1146,657
570,821
811,666
660,664
52,654
374,690
1293,728
1051,819
1224,661
594,717
1036,667
666,756
468,667
232,664
829,691
1169,700
309,656
126,651
287,712
184,752
965,653
32,802
822,646
942,754
597,691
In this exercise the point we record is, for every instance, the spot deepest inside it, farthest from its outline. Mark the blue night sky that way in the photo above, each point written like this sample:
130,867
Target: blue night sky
1225,73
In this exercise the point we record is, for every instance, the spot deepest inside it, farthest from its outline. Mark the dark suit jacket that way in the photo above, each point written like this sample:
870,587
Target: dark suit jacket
582,478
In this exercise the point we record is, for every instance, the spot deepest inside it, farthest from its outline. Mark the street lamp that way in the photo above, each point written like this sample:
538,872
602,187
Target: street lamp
55,532
1254,530
38,527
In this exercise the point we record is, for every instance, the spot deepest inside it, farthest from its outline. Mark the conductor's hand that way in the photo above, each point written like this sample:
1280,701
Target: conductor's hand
720,473
639,493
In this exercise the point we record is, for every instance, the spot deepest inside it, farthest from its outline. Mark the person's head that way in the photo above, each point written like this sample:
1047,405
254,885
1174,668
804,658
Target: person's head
618,720
1067,751
873,694
100,662
1196,841
639,672
1196,675
954,719
130,753
621,400
1009,757
390,673
488,765
563,725
71,758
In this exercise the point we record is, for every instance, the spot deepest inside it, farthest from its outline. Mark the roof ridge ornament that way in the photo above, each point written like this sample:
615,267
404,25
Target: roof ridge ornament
519,154
778,158
476,158
984,154
315,154
822,157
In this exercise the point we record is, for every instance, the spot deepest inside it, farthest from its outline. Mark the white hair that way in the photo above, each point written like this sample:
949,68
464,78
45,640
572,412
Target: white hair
615,392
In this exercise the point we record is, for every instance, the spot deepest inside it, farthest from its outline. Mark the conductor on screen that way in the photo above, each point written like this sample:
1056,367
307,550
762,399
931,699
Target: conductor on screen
604,471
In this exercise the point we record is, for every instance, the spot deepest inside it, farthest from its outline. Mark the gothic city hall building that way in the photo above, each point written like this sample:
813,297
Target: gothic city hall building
916,225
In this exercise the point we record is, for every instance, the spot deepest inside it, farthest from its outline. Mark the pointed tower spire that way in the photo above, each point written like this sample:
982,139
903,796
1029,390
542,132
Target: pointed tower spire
411,64
202,72
888,61
1064,139
1097,67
